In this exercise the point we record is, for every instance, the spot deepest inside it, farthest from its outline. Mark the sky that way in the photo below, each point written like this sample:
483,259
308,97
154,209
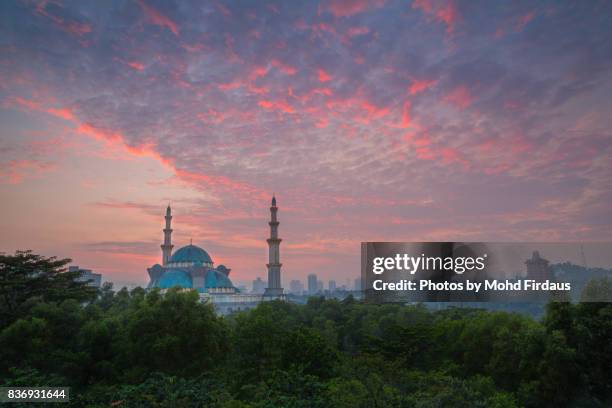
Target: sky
372,120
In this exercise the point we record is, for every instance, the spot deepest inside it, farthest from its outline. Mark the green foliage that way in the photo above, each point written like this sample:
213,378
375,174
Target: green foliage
26,278
145,349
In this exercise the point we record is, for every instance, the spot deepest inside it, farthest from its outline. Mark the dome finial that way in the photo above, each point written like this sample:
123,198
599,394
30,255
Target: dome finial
273,200
190,241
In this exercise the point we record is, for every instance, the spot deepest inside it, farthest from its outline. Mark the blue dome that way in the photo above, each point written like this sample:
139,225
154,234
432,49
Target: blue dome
175,277
216,279
191,253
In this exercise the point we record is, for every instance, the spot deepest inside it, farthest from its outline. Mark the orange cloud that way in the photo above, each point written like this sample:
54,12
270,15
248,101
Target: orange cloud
158,19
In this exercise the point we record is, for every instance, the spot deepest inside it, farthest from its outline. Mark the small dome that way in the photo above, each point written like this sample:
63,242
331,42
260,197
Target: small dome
191,253
175,278
223,269
215,279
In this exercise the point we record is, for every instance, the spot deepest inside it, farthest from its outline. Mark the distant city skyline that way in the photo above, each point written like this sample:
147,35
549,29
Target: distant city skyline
370,121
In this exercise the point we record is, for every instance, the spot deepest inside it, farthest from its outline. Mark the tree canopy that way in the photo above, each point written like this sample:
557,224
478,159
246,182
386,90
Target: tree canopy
137,348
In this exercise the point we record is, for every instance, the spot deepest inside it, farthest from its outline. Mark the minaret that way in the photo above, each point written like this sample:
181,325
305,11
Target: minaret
274,288
167,245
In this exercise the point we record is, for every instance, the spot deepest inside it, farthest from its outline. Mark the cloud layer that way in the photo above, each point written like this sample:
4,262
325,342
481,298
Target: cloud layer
376,120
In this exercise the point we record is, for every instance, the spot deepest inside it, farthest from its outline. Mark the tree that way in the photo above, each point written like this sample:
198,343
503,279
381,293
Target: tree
173,334
26,278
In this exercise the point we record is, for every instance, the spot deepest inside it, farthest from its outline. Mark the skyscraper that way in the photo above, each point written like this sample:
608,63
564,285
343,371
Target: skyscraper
537,267
358,284
296,287
92,279
259,286
312,284
274,288
332,285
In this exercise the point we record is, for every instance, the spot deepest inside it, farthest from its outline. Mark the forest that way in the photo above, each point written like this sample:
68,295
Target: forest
146,349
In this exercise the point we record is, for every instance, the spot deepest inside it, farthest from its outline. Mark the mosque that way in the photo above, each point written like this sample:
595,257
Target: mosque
191,267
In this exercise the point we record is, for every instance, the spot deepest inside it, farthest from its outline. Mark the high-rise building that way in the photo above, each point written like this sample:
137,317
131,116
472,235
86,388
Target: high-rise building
312,284
259,286
319,286
274,288
537,268
296,287
357,284
332,285
92,279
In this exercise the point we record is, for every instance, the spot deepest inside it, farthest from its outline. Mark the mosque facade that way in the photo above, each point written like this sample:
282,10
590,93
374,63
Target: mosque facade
192,268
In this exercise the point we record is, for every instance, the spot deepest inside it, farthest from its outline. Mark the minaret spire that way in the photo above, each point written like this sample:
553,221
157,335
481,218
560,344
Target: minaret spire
167,245
274,288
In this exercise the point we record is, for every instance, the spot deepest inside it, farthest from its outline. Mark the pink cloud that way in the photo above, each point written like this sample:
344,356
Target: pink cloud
406,114
524,20
63,113
32,106
281,106
228,86
346,8
460,97
257,72
222,182
285,68
322,123
224,10
324,27
72,27
356,31
135,65
158,19
15,171
418,86
451,155
360,109
443,11
323,75
374,111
